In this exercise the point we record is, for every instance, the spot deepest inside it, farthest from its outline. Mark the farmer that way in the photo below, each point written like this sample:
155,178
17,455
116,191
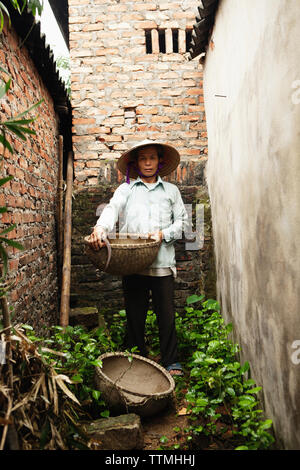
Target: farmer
154,207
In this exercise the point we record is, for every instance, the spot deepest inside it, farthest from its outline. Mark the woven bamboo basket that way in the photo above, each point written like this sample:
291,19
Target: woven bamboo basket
138,386
129,254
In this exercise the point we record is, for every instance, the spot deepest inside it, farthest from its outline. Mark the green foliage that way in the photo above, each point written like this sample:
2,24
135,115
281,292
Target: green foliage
35,6
81,349
74,351
63,65
152,338
220,394
218,381
18,127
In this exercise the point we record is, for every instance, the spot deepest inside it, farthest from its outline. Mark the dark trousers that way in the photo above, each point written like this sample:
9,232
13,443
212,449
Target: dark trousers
137,295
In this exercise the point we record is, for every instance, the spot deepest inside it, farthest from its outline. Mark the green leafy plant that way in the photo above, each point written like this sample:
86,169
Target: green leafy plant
35,6
63,65
16,127
80,351
221,396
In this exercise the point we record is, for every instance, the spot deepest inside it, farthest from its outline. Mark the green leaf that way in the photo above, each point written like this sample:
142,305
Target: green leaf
3,8
15,130
213,360
96,394
4,257
97,363
198,429
194,298
8,229
77,378
246,400
16,5
12,243
211,304
27,327
213,345
254,390
1,68
105,414
266,424
4,88
20,121
245,367
5,143
19,130
242,448
249,382
5,180
230,391
29,109
202,401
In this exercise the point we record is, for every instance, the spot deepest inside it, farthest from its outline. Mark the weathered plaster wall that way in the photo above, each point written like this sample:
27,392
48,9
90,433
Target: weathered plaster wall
253,177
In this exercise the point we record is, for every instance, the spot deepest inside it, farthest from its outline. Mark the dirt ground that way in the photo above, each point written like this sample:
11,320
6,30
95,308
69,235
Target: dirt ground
169,424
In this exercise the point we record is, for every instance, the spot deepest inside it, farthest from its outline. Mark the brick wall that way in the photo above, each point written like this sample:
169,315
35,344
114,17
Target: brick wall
30,196
131,80
122,94
89,288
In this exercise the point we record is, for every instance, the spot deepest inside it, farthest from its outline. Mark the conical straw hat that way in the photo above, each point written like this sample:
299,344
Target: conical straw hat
171,158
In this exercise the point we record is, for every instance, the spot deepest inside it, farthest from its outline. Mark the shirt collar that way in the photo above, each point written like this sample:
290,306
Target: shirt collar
139,180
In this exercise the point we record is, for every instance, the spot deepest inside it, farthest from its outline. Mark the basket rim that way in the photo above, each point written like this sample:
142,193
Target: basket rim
145,359
150,243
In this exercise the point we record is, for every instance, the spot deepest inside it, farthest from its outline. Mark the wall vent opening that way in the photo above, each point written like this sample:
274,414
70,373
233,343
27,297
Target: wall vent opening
162,40
167,41
148,41
188,38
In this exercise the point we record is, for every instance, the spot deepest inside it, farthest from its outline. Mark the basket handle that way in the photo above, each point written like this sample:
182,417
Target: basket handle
107,244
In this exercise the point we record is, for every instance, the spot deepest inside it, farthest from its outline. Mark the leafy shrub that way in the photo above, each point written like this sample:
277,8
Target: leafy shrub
219,391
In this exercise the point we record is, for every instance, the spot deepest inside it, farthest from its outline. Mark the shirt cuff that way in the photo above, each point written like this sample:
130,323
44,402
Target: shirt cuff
167,236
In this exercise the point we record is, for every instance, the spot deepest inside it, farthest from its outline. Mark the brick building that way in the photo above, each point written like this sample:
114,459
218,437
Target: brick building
131,80
31,196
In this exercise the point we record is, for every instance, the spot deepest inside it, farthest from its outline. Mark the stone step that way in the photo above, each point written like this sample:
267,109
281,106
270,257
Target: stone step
89,317
122,432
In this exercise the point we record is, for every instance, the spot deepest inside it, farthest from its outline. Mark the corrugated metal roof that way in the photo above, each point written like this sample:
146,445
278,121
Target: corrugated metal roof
203,27
61,12
29,31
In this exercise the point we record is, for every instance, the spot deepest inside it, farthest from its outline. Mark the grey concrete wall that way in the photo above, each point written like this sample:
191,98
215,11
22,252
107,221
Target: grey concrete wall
253,176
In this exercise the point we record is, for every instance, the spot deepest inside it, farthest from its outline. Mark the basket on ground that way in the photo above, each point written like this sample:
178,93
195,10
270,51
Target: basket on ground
134,384
130,253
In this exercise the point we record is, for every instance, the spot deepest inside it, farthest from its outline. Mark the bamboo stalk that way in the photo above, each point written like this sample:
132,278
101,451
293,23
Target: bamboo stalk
66,270
9,431
7,327
59,214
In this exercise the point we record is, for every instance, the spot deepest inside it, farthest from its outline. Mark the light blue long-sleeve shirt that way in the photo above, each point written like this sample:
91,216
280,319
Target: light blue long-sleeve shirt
142,208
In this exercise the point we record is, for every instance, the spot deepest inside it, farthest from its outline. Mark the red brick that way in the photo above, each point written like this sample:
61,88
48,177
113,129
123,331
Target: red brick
146,110
160,119
145,24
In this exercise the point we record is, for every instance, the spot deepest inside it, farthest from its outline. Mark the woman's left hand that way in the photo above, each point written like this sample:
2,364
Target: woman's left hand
158,235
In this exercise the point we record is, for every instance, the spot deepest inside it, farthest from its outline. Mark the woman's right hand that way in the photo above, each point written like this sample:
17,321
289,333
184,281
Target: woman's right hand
96,238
